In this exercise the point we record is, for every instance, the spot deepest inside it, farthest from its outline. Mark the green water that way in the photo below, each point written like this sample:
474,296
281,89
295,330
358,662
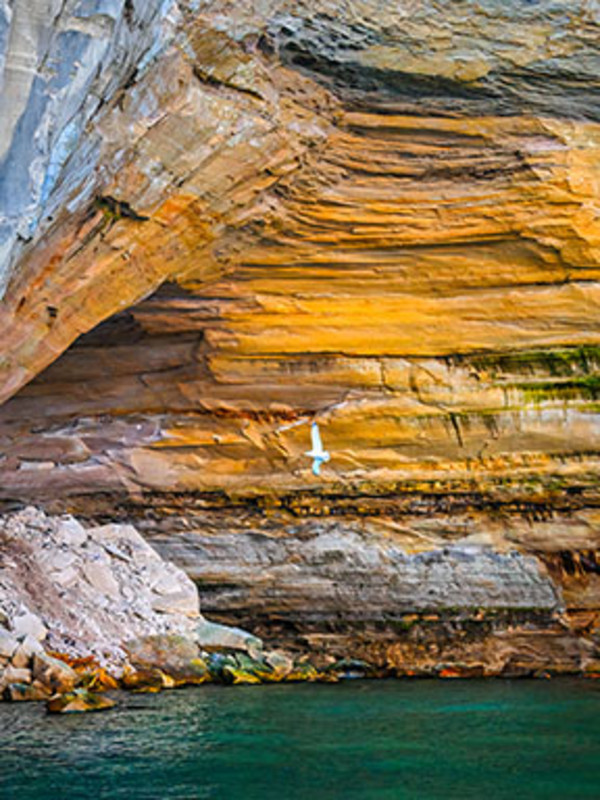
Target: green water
386,740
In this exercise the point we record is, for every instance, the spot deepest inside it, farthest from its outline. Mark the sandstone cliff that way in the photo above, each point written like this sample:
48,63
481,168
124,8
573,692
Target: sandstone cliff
223,221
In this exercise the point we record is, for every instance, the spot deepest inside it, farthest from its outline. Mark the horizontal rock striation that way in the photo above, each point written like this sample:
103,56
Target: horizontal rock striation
402,247
417,594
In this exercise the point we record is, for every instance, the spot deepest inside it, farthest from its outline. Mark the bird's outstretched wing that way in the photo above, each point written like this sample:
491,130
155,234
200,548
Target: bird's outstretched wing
316,467
315,438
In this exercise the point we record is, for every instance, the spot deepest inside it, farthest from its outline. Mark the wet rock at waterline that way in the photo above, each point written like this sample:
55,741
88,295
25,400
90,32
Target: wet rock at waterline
78,701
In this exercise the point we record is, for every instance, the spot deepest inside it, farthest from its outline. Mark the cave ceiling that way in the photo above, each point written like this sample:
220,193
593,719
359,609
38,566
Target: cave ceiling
380,216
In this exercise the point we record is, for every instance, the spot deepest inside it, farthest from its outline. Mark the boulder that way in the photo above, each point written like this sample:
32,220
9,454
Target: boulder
183,602
303,672
220,666
71,533
101,578
213,637
240,676
95,677
19,692
57,559
143,680
174,655
256,667
28,624
60,677
280,662
78,701
16,675
25,652
8,643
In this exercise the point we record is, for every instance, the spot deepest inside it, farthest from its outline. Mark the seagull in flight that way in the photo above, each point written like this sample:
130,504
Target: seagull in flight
317,453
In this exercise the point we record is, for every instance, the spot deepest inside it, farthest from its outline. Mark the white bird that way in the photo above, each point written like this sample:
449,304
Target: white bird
317,453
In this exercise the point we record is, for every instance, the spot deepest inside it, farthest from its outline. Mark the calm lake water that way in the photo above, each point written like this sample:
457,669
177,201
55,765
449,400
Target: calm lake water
386,740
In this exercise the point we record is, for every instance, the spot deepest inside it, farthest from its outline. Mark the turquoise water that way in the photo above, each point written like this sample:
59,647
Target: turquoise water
386,740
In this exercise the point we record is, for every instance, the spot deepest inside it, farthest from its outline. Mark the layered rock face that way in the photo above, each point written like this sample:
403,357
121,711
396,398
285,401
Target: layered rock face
412,593
383,217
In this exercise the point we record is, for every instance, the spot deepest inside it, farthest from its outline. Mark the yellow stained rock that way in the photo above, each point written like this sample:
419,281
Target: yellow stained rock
78,701
240,676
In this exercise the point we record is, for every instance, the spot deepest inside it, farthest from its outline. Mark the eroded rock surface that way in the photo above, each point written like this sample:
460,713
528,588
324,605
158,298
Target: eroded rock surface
383,218
418,594
59,63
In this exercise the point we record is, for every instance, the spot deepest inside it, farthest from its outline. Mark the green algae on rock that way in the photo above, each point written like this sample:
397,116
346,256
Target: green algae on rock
78,701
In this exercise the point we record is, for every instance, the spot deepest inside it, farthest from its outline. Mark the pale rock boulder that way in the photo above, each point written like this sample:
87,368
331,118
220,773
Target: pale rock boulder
28,624
16,675
101,578
26,650
8,644
17,692
70,532
212,636
53,673
175,603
